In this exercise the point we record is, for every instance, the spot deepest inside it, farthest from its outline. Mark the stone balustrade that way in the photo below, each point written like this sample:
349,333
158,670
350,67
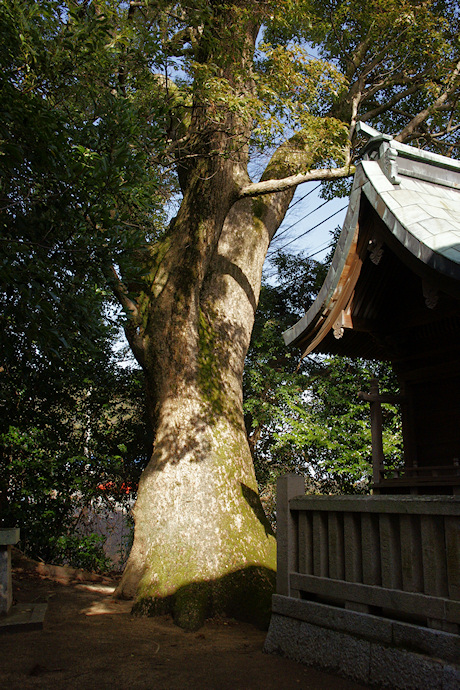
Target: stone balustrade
379,573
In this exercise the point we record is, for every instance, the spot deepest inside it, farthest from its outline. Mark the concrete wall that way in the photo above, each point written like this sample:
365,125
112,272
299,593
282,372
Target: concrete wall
362,647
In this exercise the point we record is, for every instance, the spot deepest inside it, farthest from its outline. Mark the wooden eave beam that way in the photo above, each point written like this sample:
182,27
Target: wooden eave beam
340,300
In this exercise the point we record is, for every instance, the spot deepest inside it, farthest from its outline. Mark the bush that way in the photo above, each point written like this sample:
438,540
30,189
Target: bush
83,551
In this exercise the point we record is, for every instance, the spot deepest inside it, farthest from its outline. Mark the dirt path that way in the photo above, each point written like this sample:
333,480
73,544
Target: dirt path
90,641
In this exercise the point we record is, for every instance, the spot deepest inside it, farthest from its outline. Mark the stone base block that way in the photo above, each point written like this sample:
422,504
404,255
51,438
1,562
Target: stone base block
6,589
23,617
8,536
362,647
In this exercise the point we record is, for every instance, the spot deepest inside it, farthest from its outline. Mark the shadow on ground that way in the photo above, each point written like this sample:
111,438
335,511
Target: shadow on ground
90,641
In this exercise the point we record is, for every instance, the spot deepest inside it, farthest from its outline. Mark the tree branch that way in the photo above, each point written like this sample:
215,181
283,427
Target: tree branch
132,328
384,107
121,294
270,186
438,103
401,79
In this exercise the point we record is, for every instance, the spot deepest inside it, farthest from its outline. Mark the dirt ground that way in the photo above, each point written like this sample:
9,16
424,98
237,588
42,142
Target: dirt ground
89,640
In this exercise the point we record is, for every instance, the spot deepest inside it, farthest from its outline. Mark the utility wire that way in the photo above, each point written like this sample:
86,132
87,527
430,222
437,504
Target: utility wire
322,248
307,232
314,189
328,245
285,230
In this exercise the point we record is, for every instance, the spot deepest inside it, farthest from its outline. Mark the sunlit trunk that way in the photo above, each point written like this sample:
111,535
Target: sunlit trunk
202,542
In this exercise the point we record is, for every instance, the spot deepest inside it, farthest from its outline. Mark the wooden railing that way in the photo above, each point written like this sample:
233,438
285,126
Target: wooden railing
412,477
415,478
393,556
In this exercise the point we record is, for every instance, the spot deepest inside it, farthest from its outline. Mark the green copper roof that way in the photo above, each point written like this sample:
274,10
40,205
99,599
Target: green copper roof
417,195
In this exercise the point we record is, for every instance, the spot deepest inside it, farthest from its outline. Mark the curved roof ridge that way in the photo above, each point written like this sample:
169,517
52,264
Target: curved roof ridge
417,195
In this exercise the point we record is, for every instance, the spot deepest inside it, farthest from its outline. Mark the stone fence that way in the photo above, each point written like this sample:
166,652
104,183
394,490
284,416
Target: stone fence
379,573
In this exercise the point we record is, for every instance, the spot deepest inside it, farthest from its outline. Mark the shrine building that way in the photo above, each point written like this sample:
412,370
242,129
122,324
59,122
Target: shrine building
393,293
368,587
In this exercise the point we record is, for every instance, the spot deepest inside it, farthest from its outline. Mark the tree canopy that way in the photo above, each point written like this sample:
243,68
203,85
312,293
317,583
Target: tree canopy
304,416
99,103
78,190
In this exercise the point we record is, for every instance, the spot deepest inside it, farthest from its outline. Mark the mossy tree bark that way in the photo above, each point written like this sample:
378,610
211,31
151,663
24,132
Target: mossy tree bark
202,543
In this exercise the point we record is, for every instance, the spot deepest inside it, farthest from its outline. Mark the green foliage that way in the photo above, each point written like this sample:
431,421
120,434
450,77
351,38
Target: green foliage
307,417
79,190
95,99
83,551
395,58
296,91
68,444
327,429
268,361
100,101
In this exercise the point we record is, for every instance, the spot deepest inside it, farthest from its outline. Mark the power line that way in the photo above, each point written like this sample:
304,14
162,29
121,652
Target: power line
305,196
285,230
314,189
328,245
307,232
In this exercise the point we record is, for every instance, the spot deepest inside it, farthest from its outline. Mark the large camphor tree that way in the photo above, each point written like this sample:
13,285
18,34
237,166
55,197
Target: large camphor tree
202,543
216,95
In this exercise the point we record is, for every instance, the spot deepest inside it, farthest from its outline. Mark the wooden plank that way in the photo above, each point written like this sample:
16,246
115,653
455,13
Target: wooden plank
453,611
336,546
410,505
396,600
424,481
354,606
452,532
353,547
305,543
320,545
434,556
390,551
411,553
371,559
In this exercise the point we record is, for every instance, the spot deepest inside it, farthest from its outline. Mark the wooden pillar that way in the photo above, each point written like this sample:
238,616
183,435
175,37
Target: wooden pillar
376,432
376,400
287,487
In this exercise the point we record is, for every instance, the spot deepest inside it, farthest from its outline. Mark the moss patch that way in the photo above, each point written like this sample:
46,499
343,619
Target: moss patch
192,604
245,595
259,207
209,378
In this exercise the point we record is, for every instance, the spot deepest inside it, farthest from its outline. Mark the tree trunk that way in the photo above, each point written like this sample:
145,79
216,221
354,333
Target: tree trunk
202,542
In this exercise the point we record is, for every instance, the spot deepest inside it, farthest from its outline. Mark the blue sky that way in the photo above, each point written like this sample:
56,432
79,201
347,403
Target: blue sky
309,223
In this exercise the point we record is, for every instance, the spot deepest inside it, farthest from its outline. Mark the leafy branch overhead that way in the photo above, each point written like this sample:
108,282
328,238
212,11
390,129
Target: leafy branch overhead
323,60
142,96
318,69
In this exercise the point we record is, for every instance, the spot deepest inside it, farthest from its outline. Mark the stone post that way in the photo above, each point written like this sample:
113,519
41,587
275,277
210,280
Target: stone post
288,486
7,538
